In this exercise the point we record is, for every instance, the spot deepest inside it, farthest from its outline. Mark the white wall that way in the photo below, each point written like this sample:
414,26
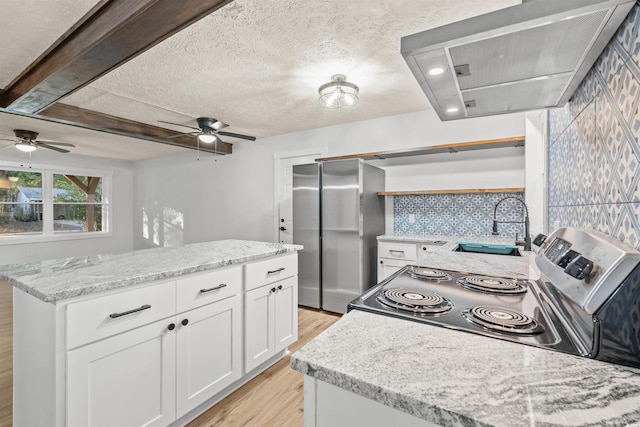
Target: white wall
180,200
122,209
536,170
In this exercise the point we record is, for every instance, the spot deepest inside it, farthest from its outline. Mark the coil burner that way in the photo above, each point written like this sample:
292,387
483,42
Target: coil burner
492,285
428,274
414,301
502,319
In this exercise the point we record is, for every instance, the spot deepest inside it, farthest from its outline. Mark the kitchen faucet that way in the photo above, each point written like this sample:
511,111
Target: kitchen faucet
527,237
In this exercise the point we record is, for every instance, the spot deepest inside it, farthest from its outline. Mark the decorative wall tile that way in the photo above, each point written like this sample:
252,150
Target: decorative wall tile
468,214
594,163
627,35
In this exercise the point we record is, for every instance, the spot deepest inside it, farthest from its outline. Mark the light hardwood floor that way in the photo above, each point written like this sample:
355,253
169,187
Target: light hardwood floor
6,354
273,398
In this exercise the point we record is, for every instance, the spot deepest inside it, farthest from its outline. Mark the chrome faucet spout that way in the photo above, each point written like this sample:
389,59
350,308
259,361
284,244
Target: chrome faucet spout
527,233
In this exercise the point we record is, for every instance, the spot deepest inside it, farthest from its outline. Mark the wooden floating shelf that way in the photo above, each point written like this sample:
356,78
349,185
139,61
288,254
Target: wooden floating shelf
517,141
471,190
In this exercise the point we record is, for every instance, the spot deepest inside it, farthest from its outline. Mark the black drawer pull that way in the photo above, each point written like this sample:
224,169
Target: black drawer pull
220,286
396,250
280,287
276,271
124,313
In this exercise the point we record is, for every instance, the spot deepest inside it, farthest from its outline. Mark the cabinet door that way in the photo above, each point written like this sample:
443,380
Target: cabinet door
386,267
208,352
125,380
259,320
286,313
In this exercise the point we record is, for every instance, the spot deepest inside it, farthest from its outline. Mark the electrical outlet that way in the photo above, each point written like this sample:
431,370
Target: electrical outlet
412,218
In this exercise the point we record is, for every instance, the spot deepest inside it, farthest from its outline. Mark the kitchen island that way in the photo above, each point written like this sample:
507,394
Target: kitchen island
374,370
150,337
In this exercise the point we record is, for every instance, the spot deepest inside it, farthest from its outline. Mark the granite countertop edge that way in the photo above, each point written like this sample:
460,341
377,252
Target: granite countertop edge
573,389
35,284
394,399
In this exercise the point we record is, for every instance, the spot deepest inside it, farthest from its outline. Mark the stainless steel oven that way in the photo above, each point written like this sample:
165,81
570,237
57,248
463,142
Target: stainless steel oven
586,302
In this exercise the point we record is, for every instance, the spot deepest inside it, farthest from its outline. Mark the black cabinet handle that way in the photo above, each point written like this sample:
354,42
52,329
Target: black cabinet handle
276,271
185,322
171,326
283,229
124,313
220,286
272,290
279,287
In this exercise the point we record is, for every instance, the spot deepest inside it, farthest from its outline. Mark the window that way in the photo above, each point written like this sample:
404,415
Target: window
50,204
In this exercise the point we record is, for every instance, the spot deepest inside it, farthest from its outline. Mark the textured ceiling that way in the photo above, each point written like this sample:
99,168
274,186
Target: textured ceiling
253,64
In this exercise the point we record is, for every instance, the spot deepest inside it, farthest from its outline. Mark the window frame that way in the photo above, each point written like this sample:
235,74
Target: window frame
48,234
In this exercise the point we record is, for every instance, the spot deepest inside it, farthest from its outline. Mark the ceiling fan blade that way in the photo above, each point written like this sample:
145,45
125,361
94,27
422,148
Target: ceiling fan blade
51,147
63,144
183,134
5,139
178,124
219,125
237,135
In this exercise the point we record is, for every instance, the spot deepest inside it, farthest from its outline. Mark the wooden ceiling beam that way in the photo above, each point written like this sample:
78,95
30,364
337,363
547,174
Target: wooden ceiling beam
87,119
109,35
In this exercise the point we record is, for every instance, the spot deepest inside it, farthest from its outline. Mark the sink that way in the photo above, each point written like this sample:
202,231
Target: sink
488,248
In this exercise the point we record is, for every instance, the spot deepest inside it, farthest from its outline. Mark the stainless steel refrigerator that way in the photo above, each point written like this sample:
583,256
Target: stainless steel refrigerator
337,215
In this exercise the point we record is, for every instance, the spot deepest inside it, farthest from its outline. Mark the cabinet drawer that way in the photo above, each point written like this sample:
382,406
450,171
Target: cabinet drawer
406,251
100,317
200,289
260,273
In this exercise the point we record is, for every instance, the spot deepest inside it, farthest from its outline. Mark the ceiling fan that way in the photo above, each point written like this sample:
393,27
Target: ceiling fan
28,142
208,130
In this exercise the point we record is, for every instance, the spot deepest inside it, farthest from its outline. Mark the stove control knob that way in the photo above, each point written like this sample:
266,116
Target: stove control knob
567,257
580,267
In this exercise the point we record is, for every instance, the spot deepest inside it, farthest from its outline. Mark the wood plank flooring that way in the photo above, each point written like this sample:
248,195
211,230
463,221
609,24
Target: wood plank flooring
6,354
273,398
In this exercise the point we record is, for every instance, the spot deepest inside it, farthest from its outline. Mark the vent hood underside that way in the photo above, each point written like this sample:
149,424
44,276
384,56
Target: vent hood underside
521,58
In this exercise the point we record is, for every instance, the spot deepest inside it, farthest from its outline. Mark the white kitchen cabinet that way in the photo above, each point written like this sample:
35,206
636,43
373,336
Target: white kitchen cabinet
154,354
158,372
271,320
326,405
392,256
209,352
125,380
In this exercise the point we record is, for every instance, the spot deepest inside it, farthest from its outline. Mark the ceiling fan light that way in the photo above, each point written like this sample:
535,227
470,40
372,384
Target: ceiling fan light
338,93
27,148
207,138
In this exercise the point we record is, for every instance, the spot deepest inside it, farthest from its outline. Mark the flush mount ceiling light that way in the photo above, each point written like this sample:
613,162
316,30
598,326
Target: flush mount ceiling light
27,148
338,93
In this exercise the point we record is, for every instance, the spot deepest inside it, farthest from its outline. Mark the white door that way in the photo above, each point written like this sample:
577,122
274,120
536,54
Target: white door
208,352
286,313
259,318
284,194
127,380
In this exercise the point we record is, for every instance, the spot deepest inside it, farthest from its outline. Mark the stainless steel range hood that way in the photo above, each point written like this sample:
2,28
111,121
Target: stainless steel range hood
520,58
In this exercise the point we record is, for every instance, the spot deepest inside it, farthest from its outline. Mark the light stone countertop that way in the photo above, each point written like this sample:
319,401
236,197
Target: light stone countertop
445,257
455,378
53,280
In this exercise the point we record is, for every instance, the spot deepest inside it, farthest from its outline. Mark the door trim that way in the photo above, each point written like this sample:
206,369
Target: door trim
278,158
